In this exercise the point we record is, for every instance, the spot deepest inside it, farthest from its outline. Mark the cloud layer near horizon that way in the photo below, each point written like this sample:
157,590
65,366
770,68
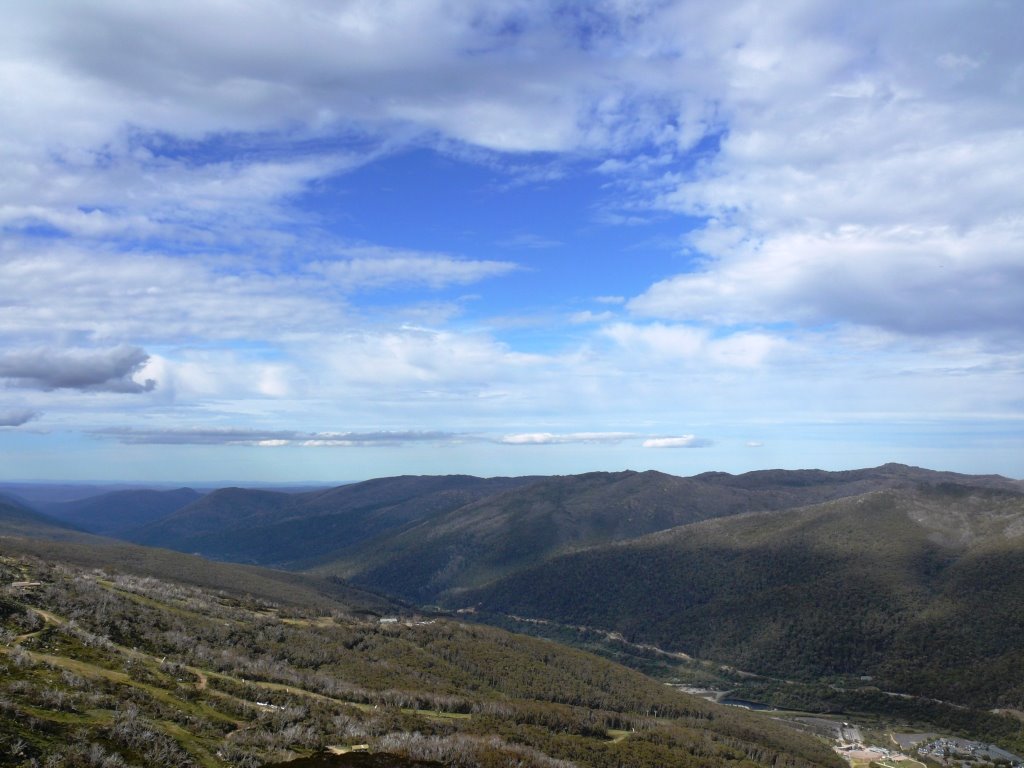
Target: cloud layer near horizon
836,184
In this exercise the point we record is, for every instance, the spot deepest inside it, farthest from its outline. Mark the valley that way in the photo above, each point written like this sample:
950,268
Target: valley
590,620
125,668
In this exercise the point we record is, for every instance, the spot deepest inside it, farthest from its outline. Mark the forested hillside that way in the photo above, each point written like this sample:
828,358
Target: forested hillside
105,668
17,519
298,529
117,512
921,590
497,536
420,537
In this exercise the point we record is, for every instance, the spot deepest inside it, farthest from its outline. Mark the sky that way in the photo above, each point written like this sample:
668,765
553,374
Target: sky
328,240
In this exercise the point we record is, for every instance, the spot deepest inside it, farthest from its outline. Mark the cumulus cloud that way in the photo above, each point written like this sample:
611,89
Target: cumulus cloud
851,174
697,345
426,363
683,441
110,118
17,417
272,438
861,176
146,294
799,109
903,279
548,438
365,439
108,370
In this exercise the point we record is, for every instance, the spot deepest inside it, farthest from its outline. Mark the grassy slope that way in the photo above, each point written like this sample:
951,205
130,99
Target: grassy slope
88,551
160,673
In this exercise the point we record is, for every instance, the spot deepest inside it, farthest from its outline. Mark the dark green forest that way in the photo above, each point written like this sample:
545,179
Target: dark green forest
853,588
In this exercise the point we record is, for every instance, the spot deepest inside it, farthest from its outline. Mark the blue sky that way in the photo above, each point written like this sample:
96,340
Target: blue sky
324,241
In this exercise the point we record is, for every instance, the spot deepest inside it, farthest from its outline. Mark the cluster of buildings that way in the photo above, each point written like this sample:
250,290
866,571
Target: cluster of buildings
952,751
947,751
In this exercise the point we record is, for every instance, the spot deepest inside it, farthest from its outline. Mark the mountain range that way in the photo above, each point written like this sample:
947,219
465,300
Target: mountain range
296,529
920,590
494,537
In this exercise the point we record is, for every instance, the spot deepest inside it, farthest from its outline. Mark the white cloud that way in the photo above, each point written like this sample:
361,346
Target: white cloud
273,381
376,267
548,438
421,364
855,168
121,191
219,371
136,122
684,441
568,438
864,176
660,342
905,279
105,294
270,438
587,317
380,439
460,69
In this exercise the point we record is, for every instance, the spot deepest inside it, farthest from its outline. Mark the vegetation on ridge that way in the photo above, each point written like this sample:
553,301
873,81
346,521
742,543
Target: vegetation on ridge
106,669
